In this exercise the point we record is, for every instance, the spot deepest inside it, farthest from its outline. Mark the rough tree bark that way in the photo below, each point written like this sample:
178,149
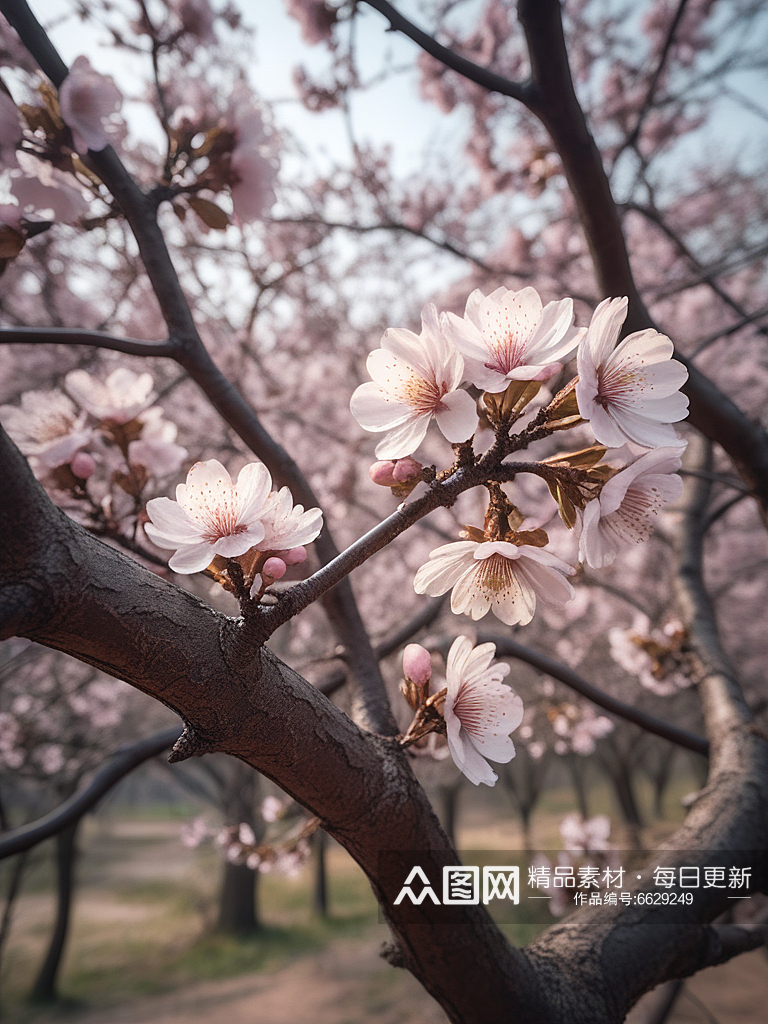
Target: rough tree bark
64,588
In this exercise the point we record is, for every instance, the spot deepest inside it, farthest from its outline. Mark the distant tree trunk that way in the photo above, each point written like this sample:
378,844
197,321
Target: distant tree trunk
237,902
618,769
576,769
660,772
239,889
320,894
14,887
44,989
449,801
524,779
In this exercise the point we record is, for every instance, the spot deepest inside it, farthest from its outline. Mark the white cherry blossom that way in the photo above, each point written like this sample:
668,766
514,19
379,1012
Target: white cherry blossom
415,377
509,335
627,504
211,515
287,525
630,391
120,398
497,575
48,426
480,711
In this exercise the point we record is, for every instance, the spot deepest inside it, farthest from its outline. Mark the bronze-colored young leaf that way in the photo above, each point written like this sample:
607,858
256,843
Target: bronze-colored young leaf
11,242
534,538
209,213
584,458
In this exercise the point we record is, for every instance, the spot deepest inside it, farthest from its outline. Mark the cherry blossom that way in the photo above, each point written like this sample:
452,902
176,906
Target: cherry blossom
211,515
629,391
88,99
506,578
10,130
272,808
315,17
508,335
480,711
38,186
253,171
196,18
48,426
415,378
288,526
119,399
628,501
586,835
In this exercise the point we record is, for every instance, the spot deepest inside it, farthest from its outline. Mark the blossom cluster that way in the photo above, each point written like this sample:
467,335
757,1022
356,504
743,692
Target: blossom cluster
214,521
98,445
658,657
474,709
284,854
508,345
229,149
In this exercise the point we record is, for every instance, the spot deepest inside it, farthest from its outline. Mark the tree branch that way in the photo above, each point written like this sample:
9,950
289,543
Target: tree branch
337,676
140,210
482,76
506,647
97,339
634,135
67,590
120,764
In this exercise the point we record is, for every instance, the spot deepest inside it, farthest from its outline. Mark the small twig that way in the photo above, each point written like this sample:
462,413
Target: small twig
482,76
120,764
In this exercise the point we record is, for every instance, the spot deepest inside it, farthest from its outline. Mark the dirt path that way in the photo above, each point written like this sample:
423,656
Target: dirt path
348,983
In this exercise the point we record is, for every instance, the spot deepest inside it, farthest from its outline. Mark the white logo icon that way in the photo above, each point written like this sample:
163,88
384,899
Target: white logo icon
501,882
417,872
461,885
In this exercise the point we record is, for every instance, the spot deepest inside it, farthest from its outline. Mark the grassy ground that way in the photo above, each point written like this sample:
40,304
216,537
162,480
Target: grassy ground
145,906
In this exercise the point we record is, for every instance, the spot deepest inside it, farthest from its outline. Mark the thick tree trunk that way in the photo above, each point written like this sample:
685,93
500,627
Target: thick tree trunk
44,989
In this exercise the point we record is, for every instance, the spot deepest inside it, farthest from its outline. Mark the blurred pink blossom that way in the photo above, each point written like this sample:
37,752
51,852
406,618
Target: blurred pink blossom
48,426
119,399
88,99
11,126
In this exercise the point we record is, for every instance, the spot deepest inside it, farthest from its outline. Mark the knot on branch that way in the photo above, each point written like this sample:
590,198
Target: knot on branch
189,744
393,953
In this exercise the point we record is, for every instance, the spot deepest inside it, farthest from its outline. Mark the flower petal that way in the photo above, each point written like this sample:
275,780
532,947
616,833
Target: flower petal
375,411
405,438
457,417
192,558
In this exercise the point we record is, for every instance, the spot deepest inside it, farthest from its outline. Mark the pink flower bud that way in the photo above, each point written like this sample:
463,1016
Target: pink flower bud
83,465
407,469
383,473
274,569
295,556
417,664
